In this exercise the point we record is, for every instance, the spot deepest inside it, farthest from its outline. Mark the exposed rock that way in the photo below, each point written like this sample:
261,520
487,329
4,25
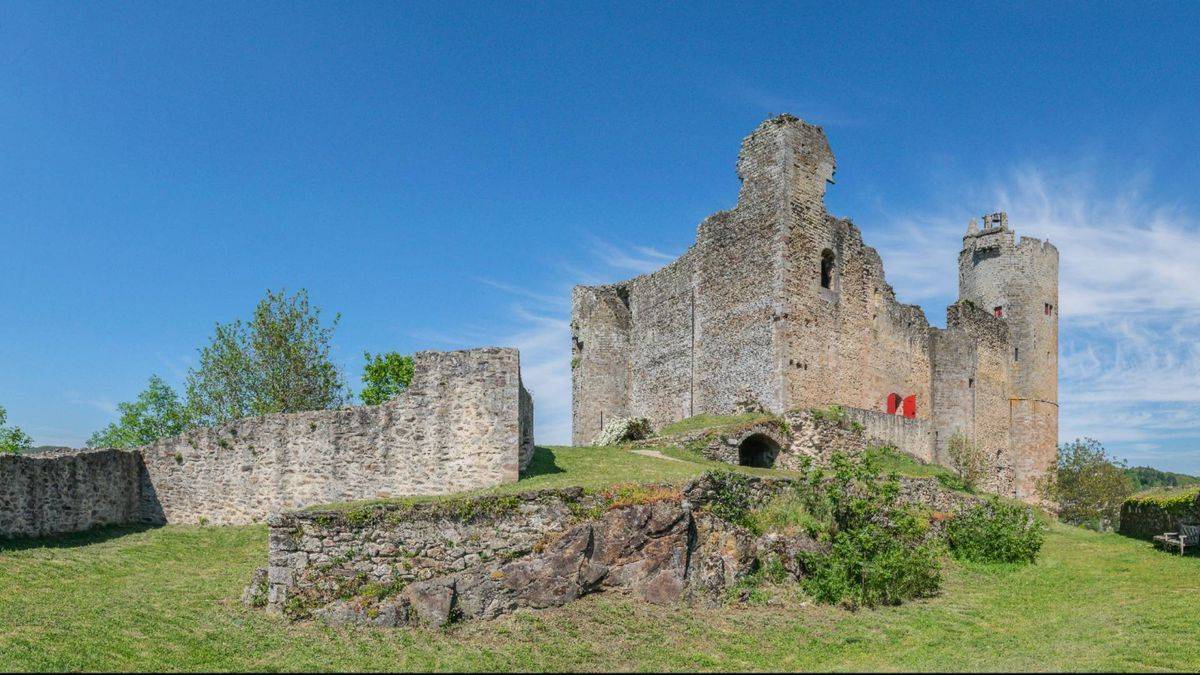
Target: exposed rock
432,601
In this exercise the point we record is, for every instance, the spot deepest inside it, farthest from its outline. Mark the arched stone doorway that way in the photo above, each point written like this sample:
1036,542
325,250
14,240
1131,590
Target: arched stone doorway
758,450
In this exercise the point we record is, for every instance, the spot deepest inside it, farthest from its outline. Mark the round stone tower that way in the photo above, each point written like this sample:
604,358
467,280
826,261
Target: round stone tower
1018,283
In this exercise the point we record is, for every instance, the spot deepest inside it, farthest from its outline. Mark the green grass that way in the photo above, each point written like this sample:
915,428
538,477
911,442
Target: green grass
591,468
893,461
701,422
167,599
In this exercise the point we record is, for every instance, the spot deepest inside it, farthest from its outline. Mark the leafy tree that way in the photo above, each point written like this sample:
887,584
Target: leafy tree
277,362
385,376
12,439
157,413
1088,485
968,460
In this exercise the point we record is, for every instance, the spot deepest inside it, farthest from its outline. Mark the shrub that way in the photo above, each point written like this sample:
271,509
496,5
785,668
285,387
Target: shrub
731,497
623,429
878,552
834,413
786,513
995,532
968,461
1088,485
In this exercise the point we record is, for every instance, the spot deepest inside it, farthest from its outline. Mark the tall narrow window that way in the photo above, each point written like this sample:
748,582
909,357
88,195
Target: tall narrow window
826,269
1016,353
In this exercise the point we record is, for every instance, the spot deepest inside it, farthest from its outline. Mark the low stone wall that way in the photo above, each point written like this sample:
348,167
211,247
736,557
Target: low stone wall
58,492
465,422
480,557
1144,516
911,436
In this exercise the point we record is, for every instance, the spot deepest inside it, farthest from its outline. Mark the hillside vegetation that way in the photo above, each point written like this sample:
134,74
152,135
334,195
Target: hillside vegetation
168,599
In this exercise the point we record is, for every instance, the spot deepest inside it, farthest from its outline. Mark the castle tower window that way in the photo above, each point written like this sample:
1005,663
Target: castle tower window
827,261
999,312
1049,309
893,403
910,406
1016,353
758,450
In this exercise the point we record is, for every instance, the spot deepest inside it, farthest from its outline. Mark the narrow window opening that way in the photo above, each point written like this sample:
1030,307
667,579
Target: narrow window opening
999,312
827,269
1016,353
970,383
1049,309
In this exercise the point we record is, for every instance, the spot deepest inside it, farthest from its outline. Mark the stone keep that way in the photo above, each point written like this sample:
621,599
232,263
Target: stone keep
781,303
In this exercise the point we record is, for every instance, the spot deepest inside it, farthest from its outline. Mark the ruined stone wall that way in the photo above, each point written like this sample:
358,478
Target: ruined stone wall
465,422
600,325
60,492
911,436
457,427
661,335
739,276
972,384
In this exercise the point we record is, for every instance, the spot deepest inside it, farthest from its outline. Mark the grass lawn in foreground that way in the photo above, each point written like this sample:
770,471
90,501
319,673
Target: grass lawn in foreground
168,599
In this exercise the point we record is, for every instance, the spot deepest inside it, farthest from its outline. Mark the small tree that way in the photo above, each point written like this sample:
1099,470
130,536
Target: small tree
12,439
384,376
1088,485
278,362
157,413
968,460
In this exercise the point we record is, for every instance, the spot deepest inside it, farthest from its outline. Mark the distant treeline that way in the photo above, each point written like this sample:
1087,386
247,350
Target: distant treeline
1144,478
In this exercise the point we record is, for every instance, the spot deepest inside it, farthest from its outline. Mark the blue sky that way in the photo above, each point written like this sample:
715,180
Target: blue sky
442,174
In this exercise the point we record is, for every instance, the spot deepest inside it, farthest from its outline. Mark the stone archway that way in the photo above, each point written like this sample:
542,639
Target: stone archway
758,450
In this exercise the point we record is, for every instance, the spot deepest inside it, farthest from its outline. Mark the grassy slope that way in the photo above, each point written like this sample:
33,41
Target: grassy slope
168,599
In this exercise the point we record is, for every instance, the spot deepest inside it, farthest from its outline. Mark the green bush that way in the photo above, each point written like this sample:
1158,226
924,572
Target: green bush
878,552
786,513
995,532
731,497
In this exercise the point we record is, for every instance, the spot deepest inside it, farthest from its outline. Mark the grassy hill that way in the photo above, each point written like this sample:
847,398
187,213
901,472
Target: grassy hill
167,599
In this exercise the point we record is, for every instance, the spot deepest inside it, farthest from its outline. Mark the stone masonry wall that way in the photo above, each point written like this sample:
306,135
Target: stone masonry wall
457,427
465,422
54,493
911,436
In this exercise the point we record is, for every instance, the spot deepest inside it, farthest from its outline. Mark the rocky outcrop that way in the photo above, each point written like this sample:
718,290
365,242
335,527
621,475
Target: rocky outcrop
479,558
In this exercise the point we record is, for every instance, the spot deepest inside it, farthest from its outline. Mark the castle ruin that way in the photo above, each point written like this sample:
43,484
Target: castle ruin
782,304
